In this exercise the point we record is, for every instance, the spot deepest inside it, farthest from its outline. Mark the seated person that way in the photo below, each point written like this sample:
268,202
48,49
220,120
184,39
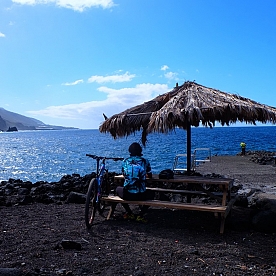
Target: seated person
135,170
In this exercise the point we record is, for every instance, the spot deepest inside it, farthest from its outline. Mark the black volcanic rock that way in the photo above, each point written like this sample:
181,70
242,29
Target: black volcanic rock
10,129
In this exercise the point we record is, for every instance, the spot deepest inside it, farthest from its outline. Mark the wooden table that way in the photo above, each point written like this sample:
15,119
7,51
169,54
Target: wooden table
196,185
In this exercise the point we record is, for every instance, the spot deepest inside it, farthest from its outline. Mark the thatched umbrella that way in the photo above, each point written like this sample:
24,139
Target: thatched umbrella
187,105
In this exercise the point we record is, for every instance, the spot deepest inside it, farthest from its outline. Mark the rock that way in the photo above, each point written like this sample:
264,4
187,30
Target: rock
139,273
10,272
241,201
66,185
16,191
69,244
264,201
74,197
2,201
28,185
262,157
8,192
264,219
12,129
24,200
177,198
23,191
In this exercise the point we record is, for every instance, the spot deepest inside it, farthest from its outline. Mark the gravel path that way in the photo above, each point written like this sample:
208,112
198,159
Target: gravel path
251,175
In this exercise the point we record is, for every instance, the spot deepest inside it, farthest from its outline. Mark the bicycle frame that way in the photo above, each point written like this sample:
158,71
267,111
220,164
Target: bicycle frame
100,173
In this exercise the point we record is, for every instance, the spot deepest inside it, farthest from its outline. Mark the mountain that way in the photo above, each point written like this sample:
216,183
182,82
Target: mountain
10,120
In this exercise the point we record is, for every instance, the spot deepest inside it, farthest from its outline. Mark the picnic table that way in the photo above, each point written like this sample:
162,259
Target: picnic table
198,186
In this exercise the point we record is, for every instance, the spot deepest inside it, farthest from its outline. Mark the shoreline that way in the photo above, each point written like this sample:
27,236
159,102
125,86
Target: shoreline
249,178
256,167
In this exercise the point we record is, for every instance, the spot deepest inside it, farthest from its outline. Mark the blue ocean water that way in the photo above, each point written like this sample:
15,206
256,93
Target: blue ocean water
48,155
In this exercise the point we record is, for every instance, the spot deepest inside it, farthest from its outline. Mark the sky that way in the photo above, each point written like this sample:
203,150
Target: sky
66,62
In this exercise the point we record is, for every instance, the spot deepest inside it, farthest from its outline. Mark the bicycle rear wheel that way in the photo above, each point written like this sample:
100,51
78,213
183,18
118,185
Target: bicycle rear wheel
91,204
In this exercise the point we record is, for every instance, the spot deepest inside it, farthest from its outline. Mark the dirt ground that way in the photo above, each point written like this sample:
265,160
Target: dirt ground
171,243
176,242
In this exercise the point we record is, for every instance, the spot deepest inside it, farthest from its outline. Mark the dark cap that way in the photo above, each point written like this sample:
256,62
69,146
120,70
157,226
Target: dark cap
135,149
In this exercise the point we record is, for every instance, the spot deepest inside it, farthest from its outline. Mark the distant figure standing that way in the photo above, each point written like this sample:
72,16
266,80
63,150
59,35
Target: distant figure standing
243,146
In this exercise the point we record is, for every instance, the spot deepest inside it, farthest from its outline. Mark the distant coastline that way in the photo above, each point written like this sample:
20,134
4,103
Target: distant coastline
44,127
10,121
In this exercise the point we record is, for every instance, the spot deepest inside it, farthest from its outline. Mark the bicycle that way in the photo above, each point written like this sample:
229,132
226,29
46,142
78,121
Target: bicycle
98,187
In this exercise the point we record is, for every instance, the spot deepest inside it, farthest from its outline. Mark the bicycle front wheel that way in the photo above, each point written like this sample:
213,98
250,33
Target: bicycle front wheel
91,204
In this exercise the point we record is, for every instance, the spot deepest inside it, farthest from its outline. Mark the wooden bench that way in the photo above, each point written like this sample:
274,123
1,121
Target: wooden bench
216,209
225,185
224,197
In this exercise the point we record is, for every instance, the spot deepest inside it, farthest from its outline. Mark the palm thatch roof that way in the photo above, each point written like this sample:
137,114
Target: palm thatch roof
187,105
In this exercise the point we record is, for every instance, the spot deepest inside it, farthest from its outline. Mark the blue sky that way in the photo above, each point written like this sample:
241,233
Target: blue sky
65,62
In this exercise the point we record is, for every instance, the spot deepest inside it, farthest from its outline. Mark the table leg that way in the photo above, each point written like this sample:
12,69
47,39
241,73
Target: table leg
111,210
224,196
222,223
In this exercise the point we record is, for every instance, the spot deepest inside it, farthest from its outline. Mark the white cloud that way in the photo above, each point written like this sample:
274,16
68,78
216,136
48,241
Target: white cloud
77,5
72,83
128,97
171,76
164,67
113,78
89,114
2,35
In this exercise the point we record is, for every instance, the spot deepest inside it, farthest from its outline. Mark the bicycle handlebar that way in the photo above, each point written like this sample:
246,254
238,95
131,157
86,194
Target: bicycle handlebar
102,157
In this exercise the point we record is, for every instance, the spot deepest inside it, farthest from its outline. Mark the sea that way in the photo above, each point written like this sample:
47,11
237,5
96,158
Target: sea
47,155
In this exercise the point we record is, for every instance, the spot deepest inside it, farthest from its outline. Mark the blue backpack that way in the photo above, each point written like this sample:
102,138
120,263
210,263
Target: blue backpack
135,173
